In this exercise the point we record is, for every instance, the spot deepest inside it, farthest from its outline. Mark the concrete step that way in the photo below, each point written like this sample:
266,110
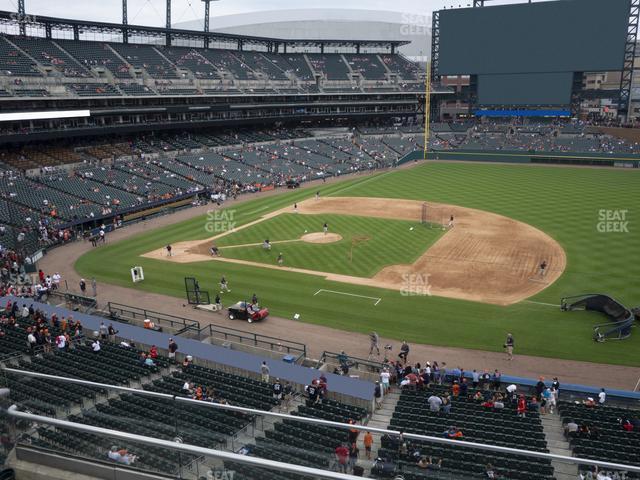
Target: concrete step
566,469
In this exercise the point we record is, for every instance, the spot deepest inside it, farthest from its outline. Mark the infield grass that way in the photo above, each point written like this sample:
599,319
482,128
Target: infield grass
567,203
379,242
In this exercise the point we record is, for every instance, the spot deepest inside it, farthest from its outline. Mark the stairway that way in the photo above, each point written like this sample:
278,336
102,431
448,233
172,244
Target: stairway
379,419
558,445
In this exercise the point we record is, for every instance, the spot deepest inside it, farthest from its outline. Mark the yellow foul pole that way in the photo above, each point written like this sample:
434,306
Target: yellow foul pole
427,108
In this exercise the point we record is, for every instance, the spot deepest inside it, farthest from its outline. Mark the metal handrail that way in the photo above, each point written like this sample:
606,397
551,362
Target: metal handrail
190,326
353,361
134,313
344,426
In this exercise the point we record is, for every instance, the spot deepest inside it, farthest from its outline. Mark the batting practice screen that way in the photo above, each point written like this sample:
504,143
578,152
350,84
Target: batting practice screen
543,37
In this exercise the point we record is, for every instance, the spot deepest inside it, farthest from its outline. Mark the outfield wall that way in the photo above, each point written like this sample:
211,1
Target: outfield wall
550,158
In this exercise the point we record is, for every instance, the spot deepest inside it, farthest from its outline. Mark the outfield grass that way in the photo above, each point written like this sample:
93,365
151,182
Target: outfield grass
564,202
389,242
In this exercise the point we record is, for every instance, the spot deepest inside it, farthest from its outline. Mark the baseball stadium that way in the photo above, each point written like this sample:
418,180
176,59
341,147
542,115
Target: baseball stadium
250,242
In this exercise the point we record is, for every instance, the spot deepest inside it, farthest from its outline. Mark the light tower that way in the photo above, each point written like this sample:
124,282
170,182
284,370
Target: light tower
207,9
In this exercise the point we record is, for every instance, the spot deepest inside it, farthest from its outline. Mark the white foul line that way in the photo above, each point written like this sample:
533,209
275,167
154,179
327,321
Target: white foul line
378,300
541,303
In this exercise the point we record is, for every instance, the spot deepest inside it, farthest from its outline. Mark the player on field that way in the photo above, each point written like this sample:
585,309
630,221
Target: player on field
325,228
280,259
224,286
543,269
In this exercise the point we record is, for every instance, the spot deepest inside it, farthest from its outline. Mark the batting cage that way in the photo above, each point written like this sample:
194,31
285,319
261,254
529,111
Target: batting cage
434,216
195,296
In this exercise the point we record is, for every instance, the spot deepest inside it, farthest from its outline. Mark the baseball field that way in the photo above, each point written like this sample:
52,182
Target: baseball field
379,267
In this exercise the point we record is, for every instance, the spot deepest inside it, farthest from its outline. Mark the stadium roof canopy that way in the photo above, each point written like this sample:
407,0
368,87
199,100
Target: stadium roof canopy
84,26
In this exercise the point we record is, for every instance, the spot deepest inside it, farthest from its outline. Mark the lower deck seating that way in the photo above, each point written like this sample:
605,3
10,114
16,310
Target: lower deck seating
500,427
606,440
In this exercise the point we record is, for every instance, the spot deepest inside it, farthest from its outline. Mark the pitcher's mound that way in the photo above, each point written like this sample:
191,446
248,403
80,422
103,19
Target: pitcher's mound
320,237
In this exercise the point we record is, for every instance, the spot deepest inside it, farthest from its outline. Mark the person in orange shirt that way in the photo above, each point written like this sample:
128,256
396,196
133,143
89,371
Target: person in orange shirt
368,442
455,389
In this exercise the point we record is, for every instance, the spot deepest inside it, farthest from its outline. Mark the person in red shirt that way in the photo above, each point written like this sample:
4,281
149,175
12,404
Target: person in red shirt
627,426
153,352
522,406
342,455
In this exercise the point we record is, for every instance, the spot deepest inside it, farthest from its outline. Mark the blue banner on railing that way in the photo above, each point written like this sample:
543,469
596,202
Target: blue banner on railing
522,113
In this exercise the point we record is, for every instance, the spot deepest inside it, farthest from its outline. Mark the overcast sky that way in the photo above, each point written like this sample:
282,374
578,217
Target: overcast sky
151,12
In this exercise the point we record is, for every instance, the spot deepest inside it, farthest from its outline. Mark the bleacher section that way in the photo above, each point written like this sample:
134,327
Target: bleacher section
176,70
146,57
478,424
606,440
14,63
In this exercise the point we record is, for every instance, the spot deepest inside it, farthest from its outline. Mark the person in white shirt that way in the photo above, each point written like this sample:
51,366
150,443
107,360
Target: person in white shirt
121,456
61,342
602,396
96,346
56,280
31,338
25,311
384,379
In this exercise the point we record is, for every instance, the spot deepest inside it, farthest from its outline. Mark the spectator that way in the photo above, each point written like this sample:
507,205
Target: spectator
342,457
626,424
602,396
313,392
187,387
385,377
343,360
264,372
353,433
522,406
453,433
404,352
446,403
570,427
112,332
104,331
540,386
496,378
475,378
31,339
489,471
95,346
153,352
368,442
354,452
276,390
173,348
377,395
121,456
455,388
83,286
434,403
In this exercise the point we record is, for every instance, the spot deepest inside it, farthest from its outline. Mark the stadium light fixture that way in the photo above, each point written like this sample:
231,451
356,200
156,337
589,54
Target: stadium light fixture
49,115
